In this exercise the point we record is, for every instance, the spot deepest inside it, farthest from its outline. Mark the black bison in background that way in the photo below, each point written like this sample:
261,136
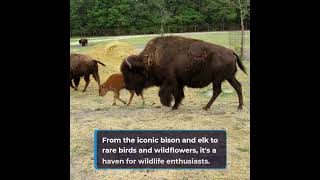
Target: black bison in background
174,62
83,41
83,65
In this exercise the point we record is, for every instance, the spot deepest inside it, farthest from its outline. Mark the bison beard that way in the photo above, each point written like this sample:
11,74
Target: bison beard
174,62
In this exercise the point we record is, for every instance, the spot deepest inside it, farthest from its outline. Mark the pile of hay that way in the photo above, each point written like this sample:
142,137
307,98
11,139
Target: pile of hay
114,51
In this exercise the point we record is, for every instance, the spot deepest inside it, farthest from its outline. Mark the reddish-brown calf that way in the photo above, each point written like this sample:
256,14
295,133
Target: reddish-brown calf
115,83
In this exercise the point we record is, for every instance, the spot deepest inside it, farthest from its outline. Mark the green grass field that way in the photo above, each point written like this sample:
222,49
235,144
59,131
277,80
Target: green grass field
221,38
90,111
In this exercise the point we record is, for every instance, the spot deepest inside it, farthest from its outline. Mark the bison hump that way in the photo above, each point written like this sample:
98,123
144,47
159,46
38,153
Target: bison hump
197,51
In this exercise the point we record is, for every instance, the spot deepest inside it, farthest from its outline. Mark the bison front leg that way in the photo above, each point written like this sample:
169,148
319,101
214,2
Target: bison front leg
178,95
216,91
71,84
117,95
76,82
131,96
142,98
114,99
165,93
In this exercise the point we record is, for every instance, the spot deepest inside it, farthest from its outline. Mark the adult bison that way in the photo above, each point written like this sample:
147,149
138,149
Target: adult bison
173,62
83,41
83,65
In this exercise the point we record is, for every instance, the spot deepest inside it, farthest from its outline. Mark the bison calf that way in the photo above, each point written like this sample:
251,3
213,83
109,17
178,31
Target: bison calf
115,83
83,65
83,41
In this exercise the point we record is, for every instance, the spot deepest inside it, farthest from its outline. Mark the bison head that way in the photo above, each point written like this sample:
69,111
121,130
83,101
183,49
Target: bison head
134,73
103,89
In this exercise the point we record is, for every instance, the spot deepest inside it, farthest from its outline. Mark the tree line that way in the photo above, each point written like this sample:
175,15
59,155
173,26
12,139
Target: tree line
119,17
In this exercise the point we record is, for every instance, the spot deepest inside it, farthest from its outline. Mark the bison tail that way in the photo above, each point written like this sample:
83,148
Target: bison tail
99,62
241,66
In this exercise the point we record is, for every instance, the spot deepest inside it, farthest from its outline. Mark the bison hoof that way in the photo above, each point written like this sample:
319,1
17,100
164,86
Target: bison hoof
240,107
205,108
113,104
174,108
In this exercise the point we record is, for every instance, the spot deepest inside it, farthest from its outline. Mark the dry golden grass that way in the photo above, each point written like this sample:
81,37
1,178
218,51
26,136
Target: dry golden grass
89,112
111,52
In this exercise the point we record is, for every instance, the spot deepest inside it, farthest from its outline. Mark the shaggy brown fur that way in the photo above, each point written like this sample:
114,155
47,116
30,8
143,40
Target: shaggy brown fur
83,65
115,83
174,62
83,41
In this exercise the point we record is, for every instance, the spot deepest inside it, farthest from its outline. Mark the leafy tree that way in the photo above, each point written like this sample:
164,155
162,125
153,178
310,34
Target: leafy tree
220,11
244,8
153,16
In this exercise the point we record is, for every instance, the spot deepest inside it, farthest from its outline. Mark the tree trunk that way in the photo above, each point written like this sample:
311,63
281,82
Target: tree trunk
161,30
242,37
222,24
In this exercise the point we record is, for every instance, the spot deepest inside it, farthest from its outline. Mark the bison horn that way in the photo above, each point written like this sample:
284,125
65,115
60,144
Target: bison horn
130,66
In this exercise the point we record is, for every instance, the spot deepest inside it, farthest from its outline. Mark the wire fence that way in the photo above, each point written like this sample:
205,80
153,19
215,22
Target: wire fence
233,30
237,45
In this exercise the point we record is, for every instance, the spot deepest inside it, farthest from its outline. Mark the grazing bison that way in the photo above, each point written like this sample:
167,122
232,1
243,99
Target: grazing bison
115,83
174,62
83,41
83,65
